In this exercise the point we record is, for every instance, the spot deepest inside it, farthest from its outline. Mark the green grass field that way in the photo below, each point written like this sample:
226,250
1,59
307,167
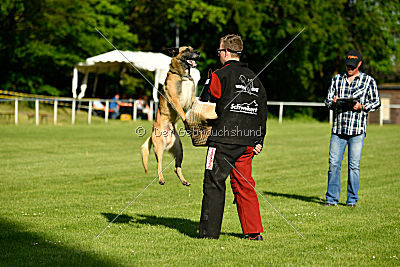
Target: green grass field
61,185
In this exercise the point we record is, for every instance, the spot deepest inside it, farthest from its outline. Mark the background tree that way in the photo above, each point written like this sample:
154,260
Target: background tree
41,41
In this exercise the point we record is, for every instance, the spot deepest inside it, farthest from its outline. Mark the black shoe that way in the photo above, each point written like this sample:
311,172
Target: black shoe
330,204
256,238
352,205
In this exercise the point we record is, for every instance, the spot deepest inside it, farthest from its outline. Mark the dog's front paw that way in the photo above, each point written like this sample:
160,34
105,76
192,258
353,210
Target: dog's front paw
161,182
186,183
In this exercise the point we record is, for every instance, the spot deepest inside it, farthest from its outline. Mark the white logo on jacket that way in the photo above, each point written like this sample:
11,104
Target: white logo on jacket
248,108
246,86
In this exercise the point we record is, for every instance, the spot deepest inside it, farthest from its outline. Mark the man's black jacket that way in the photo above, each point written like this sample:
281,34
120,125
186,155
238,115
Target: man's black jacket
241,105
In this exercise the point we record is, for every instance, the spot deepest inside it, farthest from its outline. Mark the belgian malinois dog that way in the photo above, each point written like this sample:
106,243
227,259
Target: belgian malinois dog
177,97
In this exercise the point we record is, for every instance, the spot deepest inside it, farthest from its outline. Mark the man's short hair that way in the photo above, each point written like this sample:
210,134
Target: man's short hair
233,43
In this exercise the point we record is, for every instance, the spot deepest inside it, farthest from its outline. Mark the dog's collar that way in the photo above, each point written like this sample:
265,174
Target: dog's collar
187,75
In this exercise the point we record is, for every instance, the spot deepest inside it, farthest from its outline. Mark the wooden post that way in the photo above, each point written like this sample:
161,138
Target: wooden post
73,111
55,111
90,112
16,112
37,111
280,112
330,117
381,115
106,111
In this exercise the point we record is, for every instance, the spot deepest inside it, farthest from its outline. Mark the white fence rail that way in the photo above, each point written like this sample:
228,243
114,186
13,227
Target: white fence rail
56,102
304,104
134,103
317,104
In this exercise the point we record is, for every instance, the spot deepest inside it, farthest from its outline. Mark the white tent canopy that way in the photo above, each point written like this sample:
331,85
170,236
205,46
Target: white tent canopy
112,61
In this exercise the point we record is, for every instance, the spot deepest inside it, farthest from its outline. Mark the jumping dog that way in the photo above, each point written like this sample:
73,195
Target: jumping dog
178,96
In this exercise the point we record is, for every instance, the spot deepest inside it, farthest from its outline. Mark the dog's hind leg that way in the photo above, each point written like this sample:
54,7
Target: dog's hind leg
145,153
158,144
177,151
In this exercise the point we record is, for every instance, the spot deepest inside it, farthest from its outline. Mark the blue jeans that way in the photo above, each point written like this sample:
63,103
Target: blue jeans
336,151
115,114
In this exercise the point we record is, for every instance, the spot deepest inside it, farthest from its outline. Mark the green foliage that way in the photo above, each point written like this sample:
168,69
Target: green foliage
134,85
181,12
48,90
47,38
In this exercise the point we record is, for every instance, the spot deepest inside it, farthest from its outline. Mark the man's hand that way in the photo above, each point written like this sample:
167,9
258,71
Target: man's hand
358,106
334,99
257,149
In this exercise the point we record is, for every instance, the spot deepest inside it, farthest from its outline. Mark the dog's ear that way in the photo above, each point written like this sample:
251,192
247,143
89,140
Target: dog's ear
173,51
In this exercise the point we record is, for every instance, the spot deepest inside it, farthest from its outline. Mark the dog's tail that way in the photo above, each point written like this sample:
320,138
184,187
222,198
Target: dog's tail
145,152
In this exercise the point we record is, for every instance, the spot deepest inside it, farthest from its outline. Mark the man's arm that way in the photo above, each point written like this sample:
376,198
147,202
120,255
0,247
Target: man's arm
212,89
332,94
263,126
372,100
264,117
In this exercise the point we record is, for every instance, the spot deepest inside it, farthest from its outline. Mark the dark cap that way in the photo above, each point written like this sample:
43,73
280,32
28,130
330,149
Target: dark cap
353,58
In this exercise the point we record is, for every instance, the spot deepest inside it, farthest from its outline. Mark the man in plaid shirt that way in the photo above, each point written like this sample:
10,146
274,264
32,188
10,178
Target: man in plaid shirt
351,96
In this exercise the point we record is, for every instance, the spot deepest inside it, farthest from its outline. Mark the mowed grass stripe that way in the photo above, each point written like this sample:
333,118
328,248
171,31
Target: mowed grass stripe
61,185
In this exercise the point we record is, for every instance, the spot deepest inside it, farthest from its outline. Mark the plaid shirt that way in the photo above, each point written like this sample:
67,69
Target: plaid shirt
363,87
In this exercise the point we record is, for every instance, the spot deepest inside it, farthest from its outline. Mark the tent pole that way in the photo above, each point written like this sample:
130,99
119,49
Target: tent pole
177,36
95,85
74,82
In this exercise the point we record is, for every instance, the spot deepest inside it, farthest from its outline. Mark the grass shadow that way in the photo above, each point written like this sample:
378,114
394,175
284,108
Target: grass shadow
298,197
238,235
19,247
121,218
184,226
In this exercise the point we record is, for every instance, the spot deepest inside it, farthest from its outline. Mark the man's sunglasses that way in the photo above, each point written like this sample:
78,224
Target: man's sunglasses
350,67
220,50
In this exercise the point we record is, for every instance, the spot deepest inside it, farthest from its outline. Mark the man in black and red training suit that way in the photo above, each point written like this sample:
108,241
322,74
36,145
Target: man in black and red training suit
237,135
